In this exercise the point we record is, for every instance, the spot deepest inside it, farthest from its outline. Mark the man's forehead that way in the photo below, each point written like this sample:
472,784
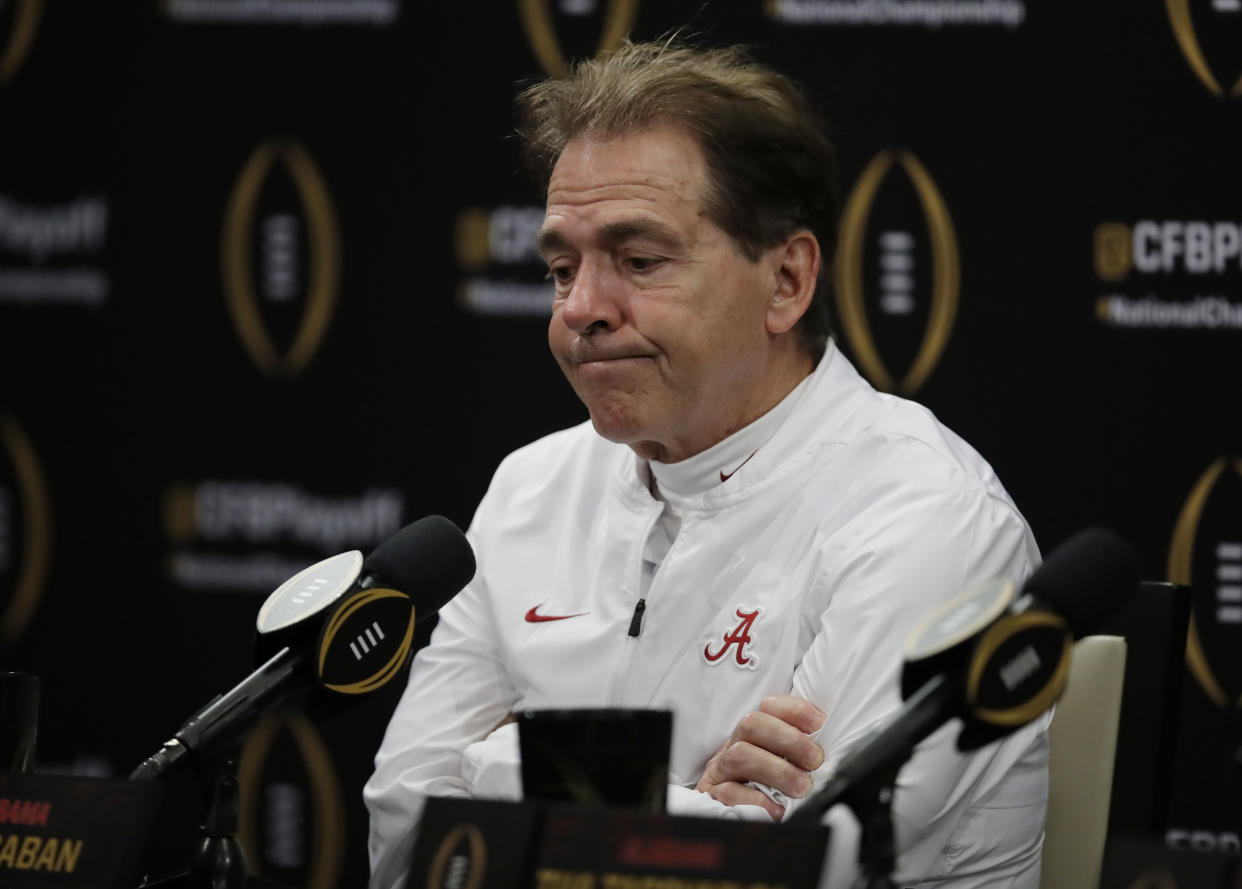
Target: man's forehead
645,183
661,158
551,236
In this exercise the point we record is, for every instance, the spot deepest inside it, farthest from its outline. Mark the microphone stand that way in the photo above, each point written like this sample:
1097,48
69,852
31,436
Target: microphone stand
865,781
218,861
871,800
872,804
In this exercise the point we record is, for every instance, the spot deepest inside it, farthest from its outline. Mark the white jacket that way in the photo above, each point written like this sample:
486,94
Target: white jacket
858,517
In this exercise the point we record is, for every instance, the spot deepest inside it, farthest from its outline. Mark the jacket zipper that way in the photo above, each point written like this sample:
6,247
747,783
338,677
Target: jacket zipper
636,622
616,691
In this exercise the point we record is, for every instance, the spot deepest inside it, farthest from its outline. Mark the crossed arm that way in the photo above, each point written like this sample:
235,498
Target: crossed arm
772,746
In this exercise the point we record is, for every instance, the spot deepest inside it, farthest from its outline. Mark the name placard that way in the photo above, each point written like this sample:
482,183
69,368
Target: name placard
72,832
503,845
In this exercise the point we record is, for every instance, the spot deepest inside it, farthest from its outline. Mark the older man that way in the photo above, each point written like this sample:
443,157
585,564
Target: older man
745,532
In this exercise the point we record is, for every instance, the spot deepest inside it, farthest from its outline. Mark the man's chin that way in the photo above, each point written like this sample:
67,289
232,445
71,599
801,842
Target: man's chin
615,429
627,434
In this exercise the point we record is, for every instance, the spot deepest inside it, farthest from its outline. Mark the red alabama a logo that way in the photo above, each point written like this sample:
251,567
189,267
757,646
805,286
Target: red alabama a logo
740,636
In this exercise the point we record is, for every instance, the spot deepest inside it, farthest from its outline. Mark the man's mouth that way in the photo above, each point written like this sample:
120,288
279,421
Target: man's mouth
601,359
597,357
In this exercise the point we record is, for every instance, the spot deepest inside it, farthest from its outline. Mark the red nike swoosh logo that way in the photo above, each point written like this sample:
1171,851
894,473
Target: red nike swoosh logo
725,478
534,617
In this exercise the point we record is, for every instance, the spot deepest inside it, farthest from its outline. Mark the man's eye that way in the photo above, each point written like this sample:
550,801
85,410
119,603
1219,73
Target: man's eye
561,274
642,263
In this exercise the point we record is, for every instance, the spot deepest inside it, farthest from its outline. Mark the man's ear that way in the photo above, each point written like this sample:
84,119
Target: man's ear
797,270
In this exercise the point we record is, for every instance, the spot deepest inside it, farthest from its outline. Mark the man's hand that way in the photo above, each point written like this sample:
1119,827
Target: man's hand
769,745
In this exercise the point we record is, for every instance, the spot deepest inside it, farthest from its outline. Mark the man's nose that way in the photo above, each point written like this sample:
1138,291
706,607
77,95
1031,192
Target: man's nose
593,304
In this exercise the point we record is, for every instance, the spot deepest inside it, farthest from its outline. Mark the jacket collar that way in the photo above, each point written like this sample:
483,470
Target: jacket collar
824,407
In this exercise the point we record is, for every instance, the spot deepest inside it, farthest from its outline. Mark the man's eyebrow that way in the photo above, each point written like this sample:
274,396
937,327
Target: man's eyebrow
549,239
626,229
615,233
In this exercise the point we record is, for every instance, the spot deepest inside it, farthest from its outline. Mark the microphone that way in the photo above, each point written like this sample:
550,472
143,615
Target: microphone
993,658
371,608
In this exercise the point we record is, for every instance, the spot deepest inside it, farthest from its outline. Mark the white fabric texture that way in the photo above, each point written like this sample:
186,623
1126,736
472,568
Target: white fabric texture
854,519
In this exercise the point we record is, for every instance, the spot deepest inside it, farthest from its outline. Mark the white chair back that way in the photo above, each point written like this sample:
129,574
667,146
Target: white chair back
1083,745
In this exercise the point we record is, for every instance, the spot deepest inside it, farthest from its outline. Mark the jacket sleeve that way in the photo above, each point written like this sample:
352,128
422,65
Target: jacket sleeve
880,584
458,692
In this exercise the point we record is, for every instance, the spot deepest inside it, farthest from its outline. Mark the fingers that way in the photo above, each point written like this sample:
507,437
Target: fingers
798,712
742,762
733,794
769,746
780,738
738,759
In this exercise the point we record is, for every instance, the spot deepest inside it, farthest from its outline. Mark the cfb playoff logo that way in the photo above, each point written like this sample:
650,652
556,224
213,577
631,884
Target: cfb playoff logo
897,272
280,258
25,531
1217,36
582,25
505,274
18,26
1206,555
291,820
1167,246
504,235
460,861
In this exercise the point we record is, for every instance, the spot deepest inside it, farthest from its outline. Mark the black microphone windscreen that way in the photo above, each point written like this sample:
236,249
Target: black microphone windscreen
430,560
1087,579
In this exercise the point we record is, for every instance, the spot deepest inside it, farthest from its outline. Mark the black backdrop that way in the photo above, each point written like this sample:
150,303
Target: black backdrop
267,293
